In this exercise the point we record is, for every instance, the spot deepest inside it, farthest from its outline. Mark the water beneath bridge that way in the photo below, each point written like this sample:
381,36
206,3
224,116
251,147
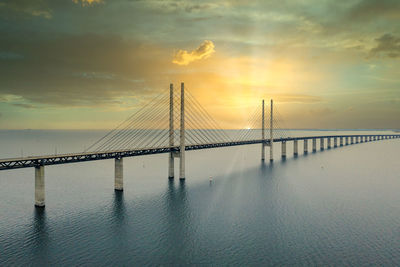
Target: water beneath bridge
338,207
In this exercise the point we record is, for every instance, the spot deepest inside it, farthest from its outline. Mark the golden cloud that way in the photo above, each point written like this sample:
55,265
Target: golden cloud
205,50
87,2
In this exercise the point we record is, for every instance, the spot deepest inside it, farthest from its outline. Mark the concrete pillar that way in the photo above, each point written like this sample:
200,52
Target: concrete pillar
329,142
262,133
341,141
171,167
314,145
271,132
305,146
321,142
283,149
295,148
352,140
335,142
347,140
357,139
39,186
119,174
182,136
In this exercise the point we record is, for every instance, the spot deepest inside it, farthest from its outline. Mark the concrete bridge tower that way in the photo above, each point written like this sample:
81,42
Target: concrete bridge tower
181,153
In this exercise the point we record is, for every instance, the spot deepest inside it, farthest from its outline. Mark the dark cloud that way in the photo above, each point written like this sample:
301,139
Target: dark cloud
387,45
27,8
23,105
366,10
81,70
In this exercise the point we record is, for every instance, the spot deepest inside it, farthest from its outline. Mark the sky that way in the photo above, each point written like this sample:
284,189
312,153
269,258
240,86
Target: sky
88,64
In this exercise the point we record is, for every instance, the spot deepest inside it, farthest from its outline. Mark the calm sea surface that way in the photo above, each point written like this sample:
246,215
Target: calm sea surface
336,207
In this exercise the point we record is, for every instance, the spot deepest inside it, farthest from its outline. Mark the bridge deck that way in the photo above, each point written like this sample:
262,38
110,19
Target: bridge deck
32,161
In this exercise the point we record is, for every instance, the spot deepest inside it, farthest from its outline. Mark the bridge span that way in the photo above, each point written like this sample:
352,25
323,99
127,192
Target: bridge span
127,140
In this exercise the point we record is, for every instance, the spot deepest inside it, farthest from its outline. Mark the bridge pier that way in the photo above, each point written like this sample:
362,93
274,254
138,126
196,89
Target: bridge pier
352,140
171,161
347,140
262,133
321,143
39,186
119,174
341,141
305,146
295,148
329,142
334,141
271,132
314,145
182,136
283,150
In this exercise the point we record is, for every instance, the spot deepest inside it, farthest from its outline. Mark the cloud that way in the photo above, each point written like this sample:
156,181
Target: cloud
292,98
81,70
205,50
23,105
367,10
28,7
387,45
87,2
10,55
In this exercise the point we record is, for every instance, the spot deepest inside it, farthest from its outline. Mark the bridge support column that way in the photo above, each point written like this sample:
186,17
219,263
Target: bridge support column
119,174
341,141
347,140
314,145
262,133
283,149
334,141
329,142
271,133
171,163
321,142
182,136
295,148
305,146
39,186
352,140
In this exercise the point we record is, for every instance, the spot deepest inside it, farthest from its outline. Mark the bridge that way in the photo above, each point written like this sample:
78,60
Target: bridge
155,129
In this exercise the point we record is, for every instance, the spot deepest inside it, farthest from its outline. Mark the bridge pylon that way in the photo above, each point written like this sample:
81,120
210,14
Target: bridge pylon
264,142
181,153
271,132
171,132
262,133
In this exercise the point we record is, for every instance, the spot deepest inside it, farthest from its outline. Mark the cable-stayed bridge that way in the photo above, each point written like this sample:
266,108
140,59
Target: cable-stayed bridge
174,122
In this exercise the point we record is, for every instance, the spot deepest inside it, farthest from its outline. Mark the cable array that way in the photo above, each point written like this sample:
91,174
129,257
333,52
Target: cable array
149,126
146,128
